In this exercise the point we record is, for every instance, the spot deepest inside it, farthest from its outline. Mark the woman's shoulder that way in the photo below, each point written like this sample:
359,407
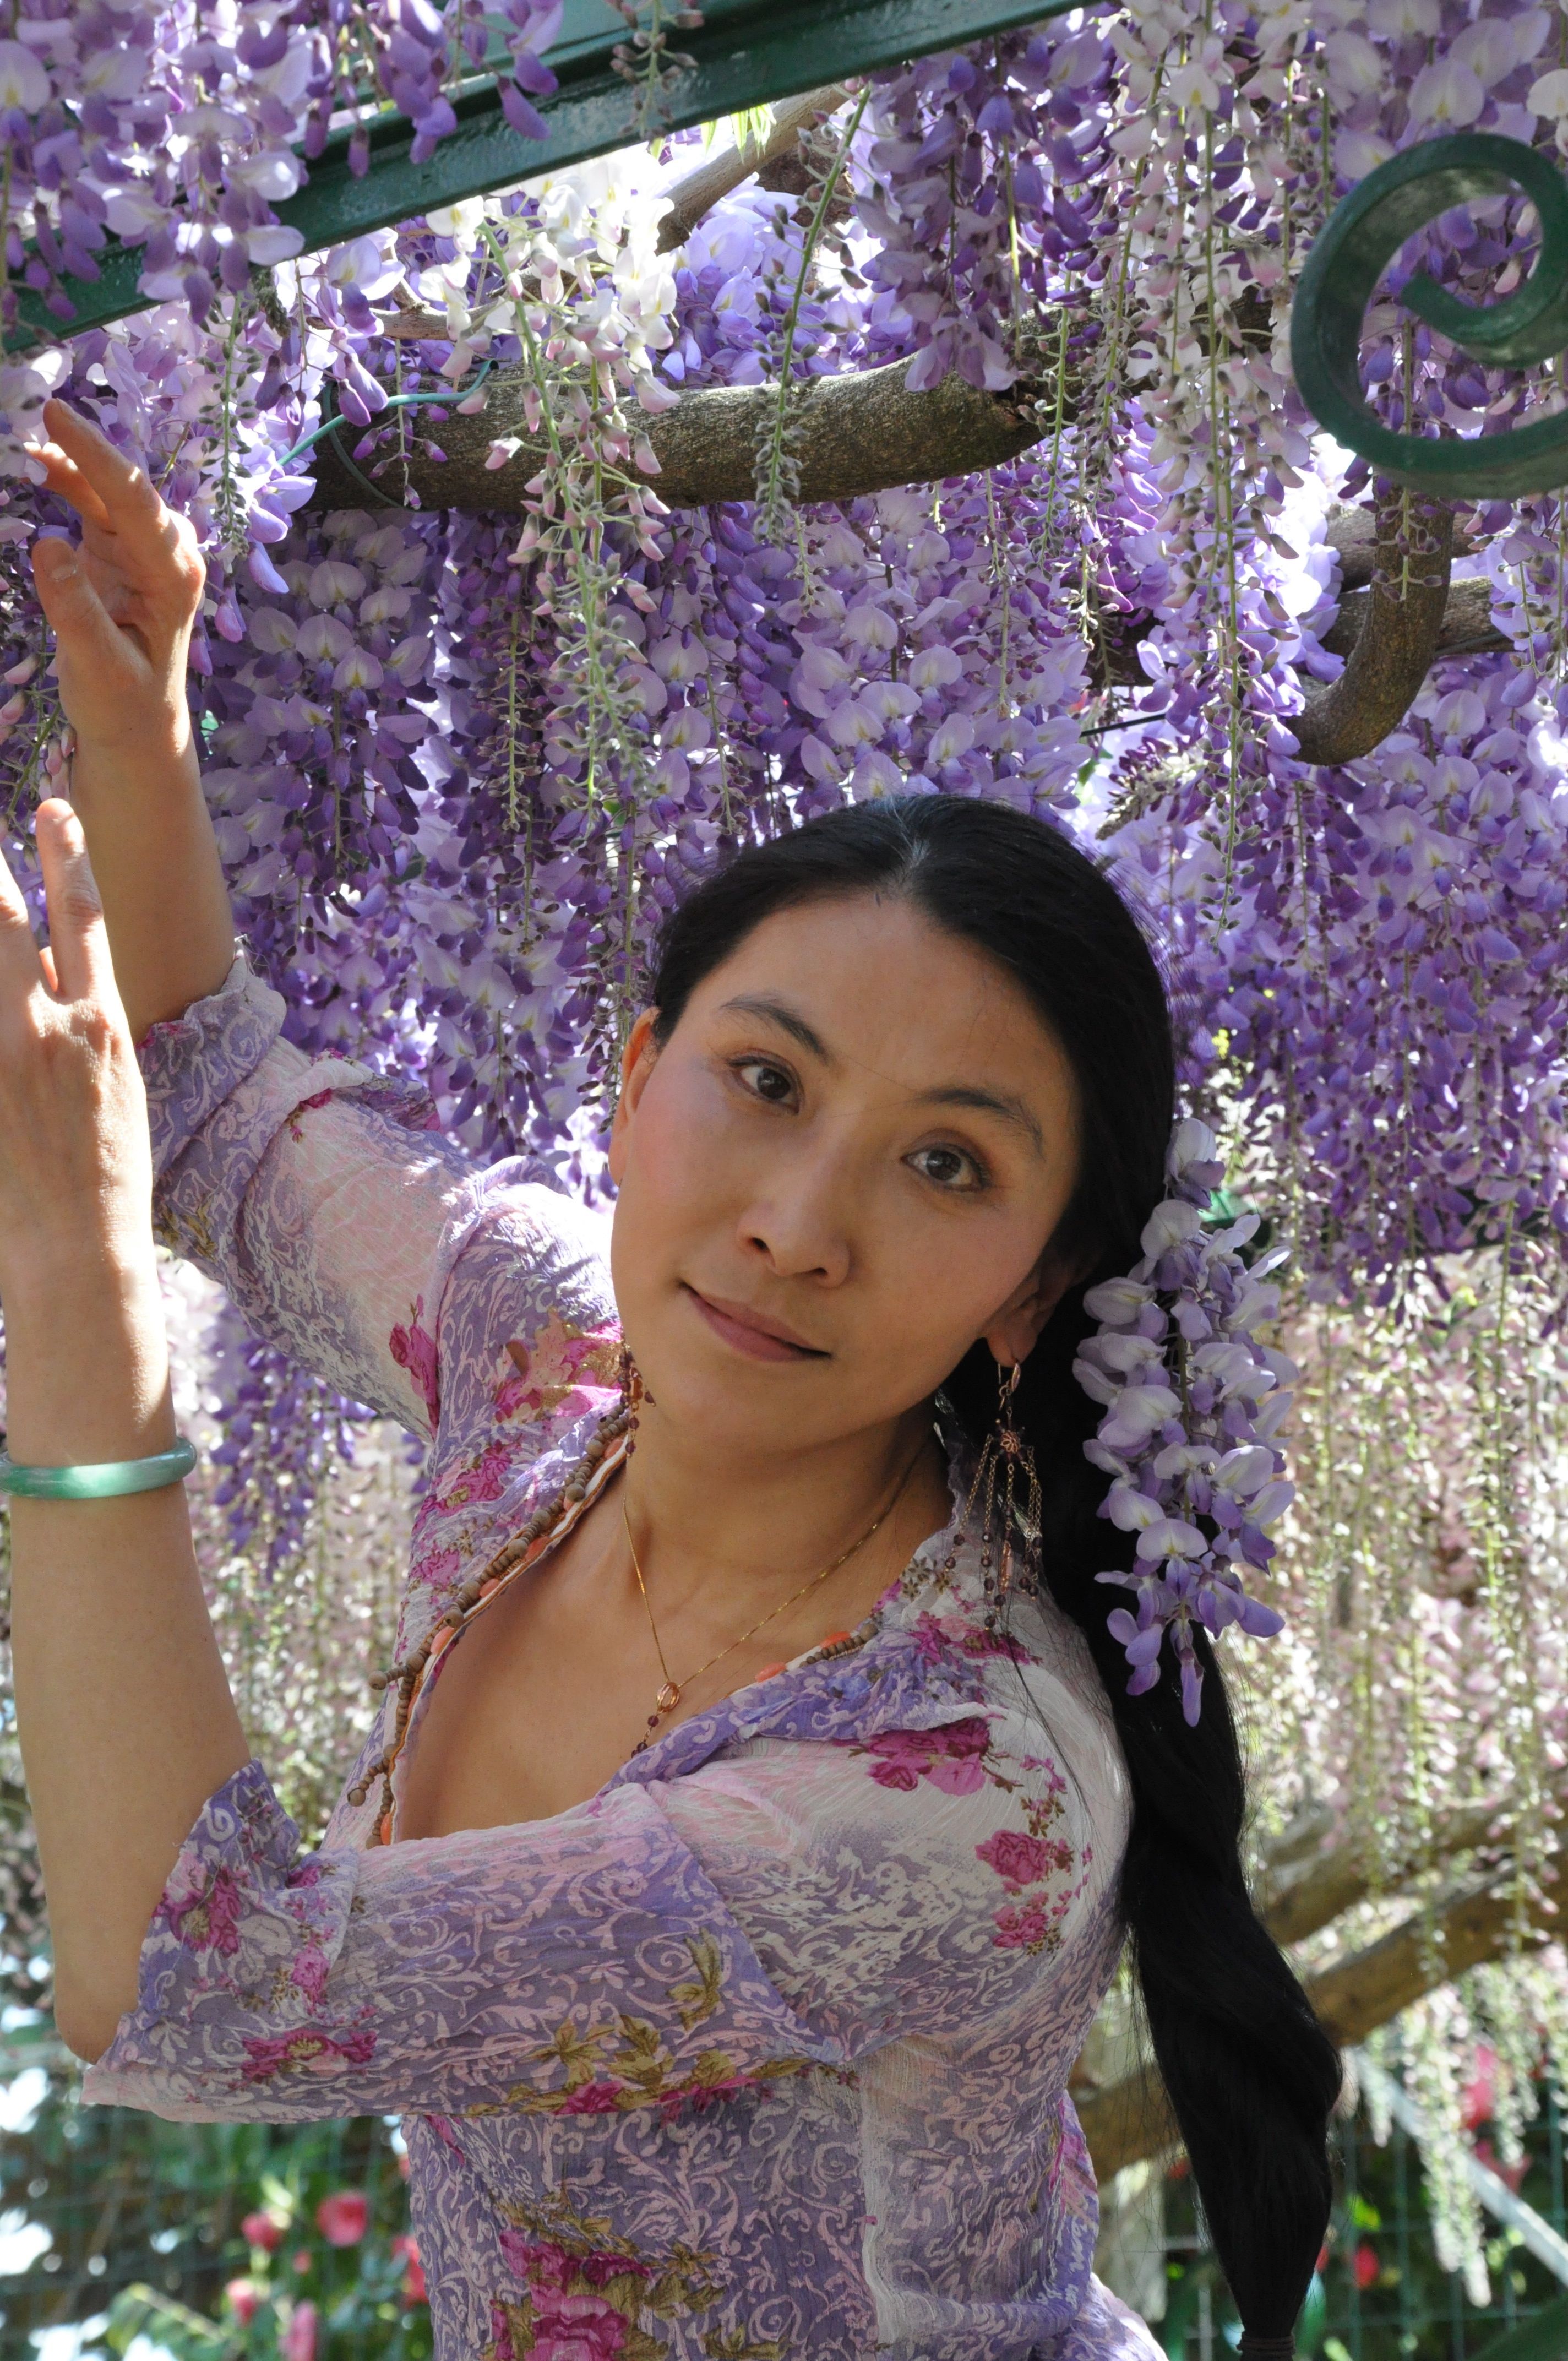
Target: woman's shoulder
1030,1666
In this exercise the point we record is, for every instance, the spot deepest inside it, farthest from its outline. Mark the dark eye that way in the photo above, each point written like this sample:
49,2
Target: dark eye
775,1084
949,1168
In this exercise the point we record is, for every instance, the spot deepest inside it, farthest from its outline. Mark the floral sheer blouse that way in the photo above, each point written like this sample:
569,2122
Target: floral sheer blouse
763,2052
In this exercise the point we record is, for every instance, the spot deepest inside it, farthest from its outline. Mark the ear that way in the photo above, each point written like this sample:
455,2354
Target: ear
637,1062
1015,1331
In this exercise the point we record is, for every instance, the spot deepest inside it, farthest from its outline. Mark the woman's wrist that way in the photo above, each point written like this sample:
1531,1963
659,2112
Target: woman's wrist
150,755
86,1360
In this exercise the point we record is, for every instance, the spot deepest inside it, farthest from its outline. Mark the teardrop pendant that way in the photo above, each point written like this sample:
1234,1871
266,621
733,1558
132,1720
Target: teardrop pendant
668,1699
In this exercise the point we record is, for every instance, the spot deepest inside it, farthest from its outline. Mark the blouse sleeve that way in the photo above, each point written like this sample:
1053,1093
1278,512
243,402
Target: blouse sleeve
784,1906
355,1237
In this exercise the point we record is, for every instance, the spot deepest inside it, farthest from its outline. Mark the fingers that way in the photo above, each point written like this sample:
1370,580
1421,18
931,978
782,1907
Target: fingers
125,525
75,612
83,969
124,491
64,476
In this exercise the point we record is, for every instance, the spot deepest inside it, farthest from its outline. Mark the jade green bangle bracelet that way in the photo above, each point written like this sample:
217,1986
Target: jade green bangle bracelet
106,1480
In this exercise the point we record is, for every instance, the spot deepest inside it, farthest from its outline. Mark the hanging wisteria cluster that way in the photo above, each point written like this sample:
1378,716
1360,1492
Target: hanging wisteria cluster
462,760
1193,1401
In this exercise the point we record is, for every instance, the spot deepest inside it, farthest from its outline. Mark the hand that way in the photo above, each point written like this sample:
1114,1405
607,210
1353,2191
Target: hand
122,604
75,1162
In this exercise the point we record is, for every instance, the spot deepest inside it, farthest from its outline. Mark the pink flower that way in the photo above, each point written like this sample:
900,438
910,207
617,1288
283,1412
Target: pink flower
485,1477
952,1758
307,2050
208,1920
558,1364
540,2261
501,2346
941,1635
343,2217
1032,1928
599,2269
263,2230
592,2099
413,1349
406,2250
575,2328
435,1567
320,1100
297,2341
242,2297
1024,1860
309,1974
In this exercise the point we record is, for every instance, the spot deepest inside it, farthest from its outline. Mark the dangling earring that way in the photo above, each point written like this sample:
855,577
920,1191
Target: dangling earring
1006,1462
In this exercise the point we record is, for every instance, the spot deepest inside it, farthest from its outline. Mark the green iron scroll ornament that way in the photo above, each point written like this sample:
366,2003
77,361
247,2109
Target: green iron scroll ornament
1360,239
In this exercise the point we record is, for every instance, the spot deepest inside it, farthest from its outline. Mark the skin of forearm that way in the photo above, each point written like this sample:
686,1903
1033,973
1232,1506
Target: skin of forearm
151,844
124,1711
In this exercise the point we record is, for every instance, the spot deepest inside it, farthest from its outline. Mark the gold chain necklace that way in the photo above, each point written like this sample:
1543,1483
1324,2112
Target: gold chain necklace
669,1696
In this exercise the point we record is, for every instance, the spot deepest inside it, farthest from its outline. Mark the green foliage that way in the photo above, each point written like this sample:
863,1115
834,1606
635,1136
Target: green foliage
209,2239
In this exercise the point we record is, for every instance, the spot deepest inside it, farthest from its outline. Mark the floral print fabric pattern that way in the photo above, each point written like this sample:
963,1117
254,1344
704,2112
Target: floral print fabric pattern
761,2051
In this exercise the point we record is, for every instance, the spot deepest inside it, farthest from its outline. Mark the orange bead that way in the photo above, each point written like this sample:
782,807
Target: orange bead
828,1637
769,1671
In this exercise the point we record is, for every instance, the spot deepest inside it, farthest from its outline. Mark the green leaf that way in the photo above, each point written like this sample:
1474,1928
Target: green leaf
1544,2338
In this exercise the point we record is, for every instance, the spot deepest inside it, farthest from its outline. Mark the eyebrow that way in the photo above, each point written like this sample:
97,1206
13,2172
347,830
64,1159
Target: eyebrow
1001,1103
779,1013
956,1094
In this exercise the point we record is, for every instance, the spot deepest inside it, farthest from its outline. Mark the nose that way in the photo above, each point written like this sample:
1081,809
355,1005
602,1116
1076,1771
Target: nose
798,1220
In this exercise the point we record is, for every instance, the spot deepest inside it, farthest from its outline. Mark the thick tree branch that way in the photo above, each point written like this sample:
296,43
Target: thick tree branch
1131,2119
1334,1879
860,433
701,190
1397,645
865,432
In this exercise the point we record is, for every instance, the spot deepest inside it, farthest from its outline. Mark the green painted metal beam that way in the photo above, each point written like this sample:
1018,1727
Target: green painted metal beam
747,53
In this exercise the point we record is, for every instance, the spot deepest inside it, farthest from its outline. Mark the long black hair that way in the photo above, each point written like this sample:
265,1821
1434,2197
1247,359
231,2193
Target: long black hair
1251,2074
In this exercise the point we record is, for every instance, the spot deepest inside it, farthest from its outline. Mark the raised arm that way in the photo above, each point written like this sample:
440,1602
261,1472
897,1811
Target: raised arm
331,1222
121,607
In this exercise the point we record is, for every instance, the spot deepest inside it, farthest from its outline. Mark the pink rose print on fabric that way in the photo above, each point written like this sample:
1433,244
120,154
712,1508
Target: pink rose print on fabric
561,1363
697,2097
320,1100
1024,1860
592,2099
309,2050
436,1568
945,1635
600,2269
1035,1927
952,1758
577,2328
207,1919
540,2261
483,1477
1031,1856
309,1974
413,1349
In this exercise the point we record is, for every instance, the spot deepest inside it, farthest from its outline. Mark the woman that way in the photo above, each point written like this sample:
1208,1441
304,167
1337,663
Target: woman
725,1914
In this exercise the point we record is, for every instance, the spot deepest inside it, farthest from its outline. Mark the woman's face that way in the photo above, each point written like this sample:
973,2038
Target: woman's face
841,1169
